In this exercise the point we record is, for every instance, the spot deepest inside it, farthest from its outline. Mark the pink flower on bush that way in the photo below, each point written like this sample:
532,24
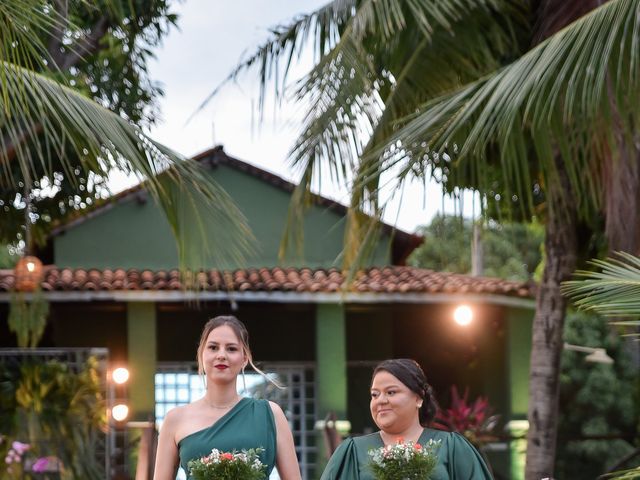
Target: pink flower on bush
40,465
20,447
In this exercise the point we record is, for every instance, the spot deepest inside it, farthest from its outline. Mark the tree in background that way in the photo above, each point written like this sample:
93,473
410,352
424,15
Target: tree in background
75,96
510,250
598,400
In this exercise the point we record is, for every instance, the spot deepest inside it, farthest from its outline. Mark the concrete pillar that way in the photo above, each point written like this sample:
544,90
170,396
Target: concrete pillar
141,348
519,323
331,370
331,357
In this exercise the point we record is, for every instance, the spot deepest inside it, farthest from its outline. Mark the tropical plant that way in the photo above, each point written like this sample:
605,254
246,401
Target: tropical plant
597,428
16,463
57,411
534,109
74,94
28,318
612,290
471,419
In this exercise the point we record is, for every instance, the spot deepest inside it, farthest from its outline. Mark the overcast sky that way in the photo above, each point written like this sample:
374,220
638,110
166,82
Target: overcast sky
212,37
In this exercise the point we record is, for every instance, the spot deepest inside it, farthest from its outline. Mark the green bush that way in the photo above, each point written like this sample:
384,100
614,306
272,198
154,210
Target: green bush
59,412
596,400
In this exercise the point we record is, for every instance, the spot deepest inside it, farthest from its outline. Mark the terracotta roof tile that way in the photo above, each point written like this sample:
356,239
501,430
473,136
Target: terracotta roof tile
395,279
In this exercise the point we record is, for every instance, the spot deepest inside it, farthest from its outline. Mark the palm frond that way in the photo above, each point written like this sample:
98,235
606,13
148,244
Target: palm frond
364,85
613,290
326,28
22,23
556,96
41,119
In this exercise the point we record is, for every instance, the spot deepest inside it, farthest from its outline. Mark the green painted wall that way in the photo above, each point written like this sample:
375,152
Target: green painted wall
519,323
141,328
134,234
331,358
331,370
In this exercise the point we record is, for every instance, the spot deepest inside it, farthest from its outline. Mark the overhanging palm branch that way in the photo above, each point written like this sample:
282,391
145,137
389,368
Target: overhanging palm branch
555,97
613,290
326,27
41,120
375,62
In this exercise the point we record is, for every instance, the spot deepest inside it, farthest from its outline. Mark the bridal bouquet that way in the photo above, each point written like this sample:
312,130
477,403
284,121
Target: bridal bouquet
404,461
219,465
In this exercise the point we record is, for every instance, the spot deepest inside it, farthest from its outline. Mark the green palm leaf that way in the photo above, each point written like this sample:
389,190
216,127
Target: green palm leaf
42,121
556,95
52,118
375,61
613,290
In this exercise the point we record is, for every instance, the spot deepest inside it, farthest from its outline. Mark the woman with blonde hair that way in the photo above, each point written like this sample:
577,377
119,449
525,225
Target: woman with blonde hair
222,419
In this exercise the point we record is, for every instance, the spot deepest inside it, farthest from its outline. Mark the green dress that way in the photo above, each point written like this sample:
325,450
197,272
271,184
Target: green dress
457,458
249,424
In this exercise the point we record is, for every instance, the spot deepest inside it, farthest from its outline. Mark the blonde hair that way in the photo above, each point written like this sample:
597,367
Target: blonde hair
241,332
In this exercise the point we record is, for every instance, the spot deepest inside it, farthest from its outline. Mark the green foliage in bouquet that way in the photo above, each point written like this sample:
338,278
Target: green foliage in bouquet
404,461
219,465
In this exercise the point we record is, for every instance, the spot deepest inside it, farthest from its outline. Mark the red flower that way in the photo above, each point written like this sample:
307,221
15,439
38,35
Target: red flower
226,456
417,446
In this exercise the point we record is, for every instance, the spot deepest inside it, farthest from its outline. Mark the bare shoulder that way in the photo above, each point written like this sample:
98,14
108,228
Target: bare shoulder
174,416
177,415
278,414
276,409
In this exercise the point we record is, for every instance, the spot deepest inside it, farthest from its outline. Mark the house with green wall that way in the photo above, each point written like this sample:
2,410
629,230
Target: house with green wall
112,282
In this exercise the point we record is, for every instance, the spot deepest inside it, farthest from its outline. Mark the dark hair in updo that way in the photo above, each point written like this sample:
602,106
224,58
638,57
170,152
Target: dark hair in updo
411,375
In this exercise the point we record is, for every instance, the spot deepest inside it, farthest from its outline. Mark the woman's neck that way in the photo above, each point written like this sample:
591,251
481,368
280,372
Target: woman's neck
410,434
221,396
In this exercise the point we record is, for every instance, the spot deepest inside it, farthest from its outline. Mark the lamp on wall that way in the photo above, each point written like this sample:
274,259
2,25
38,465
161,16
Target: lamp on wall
28,273
595,354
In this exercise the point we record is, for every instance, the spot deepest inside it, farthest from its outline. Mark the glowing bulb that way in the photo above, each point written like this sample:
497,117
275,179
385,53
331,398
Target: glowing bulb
31,267
120,412
463,315
120,375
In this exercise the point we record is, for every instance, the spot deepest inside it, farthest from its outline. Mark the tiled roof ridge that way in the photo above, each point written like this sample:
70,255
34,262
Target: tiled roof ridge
215,156
383,279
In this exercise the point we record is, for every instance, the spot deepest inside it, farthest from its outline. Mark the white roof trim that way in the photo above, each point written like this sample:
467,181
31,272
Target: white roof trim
281,297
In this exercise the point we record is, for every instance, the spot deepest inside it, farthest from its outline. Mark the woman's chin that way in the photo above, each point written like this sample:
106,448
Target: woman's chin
385,425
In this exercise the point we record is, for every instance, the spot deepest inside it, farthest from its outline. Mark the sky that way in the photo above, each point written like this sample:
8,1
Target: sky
212,37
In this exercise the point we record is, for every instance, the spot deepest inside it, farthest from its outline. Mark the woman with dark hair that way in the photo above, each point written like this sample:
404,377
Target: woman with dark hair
222,419
402,406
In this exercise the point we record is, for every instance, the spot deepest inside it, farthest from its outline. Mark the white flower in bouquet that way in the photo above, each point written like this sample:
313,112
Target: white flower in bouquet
404,461
220,465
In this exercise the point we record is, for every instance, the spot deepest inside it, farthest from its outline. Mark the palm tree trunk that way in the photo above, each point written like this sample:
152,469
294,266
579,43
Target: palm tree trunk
561,256
622,187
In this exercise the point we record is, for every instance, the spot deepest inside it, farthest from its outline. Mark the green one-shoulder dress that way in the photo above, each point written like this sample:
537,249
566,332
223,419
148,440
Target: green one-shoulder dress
249,424
457,458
